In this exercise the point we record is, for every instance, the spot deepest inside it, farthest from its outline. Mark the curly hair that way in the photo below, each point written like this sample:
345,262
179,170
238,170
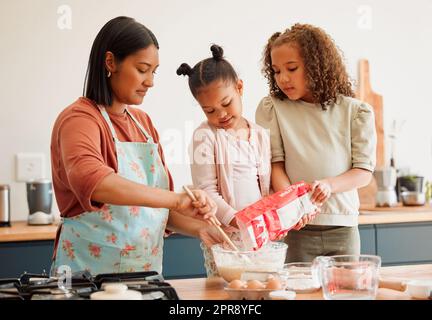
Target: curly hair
326,75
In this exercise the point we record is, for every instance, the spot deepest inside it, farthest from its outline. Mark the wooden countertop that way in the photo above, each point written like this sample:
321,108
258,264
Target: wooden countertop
397,214
21,231
212,288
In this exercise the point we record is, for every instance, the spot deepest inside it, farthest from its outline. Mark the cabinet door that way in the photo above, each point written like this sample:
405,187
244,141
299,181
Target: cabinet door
183,258
368,239
27,256
405,243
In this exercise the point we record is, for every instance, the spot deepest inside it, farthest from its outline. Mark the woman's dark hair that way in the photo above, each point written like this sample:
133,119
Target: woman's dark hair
122,36
326,75
208,70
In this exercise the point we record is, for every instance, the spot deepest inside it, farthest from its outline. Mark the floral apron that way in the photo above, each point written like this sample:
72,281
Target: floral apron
119,238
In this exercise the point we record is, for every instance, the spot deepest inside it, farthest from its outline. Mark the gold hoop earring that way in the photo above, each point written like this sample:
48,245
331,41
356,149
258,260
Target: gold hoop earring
109,74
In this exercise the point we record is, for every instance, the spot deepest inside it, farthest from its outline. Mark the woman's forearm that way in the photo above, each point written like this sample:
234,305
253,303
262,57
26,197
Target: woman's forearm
352,179
114,189
279,178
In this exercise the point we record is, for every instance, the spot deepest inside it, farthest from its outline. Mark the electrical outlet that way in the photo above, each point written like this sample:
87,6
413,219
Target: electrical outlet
30,166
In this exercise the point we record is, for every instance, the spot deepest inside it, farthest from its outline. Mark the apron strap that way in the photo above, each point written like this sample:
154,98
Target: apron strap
149,137
110,125
108,120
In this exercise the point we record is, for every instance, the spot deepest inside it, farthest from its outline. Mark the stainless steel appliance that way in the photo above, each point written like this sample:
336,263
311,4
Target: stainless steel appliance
39,198
4,205
409,183
31,286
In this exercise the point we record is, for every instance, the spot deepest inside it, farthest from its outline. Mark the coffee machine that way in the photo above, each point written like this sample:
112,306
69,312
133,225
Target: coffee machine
39,199
386,183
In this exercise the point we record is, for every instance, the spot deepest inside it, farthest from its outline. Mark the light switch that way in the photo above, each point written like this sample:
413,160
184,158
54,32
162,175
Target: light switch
30,166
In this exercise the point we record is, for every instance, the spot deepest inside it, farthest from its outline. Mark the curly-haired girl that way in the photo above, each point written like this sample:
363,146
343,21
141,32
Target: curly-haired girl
319,133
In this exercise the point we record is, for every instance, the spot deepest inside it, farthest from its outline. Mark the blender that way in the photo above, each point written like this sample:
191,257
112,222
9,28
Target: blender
39,198
386,182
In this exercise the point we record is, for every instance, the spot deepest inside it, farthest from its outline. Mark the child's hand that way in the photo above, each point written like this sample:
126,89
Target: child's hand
210,236
306,219
321,192
204,207
233,223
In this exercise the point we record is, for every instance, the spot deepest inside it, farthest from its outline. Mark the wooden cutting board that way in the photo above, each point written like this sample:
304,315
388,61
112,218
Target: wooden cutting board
365,93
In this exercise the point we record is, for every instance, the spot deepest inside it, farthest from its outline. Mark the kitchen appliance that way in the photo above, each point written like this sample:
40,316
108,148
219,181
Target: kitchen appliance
4,205
386,183
409,183
42,287
39,198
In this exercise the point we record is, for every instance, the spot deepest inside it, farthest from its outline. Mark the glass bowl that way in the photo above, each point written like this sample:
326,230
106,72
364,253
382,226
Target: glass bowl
231,264
298,277
348,277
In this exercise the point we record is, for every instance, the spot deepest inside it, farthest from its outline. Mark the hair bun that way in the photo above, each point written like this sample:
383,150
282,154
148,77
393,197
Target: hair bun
217,52
184,70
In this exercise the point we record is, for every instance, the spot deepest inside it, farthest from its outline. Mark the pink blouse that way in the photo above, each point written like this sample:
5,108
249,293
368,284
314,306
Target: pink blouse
215,167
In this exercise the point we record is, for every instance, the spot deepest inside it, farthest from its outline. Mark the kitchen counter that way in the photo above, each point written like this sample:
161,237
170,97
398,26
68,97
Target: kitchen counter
212,288
397,214
21,231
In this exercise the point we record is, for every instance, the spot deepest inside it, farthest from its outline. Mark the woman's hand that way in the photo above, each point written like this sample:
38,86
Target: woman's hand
321,191
204,207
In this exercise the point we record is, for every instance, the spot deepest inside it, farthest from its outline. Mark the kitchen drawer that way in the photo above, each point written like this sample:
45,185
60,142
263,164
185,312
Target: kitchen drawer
404,243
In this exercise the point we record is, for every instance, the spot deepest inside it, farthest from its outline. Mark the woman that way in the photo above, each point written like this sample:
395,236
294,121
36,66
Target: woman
113,189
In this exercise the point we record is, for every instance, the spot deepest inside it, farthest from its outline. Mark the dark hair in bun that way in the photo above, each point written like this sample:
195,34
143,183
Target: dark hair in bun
208,70
184,70
217,52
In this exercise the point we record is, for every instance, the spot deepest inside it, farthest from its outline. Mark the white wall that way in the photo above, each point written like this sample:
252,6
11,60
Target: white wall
43,66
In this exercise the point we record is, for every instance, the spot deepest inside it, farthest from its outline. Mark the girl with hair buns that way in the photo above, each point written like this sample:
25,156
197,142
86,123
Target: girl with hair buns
230,155
320,134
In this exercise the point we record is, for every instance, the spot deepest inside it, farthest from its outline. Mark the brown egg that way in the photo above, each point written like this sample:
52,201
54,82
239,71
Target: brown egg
273,284
255,284
236,284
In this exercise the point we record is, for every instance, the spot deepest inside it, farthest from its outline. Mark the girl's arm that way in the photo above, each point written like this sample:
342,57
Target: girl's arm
352,179
279,178
194,228
114,189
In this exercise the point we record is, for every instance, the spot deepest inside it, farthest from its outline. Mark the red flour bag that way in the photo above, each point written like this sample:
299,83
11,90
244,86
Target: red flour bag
273,216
